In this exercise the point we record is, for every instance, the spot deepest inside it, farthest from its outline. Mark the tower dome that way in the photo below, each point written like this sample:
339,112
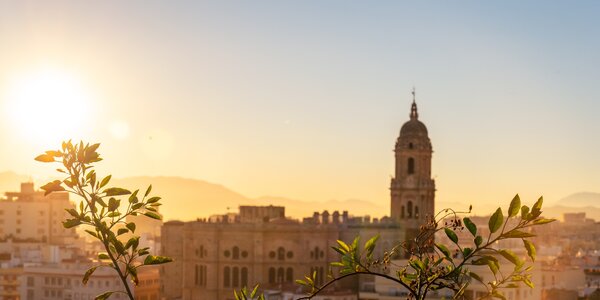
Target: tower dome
413,127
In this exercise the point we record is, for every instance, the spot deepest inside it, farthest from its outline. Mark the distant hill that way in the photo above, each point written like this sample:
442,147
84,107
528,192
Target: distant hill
187,199
582,199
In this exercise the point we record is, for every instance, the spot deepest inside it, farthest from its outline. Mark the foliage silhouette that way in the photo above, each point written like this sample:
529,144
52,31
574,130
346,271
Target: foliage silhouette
101,213
432,266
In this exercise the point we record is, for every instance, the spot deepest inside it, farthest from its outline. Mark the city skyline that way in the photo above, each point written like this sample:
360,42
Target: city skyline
305,100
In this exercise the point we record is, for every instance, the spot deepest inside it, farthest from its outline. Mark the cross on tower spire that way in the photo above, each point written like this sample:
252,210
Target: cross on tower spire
413,109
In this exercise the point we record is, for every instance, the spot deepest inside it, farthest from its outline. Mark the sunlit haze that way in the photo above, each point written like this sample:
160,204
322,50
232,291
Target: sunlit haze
305,99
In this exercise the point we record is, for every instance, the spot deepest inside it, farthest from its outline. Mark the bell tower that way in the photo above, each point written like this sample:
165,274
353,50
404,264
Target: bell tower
412,188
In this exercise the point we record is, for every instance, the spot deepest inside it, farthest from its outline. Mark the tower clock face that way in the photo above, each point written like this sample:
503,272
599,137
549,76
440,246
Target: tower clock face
410,181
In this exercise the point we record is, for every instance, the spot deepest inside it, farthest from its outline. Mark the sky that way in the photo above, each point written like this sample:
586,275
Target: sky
305,99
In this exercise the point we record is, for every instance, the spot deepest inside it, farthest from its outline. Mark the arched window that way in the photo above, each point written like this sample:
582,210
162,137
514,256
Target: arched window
280,275
416,211
280,253
226,277
316,252
410,209
320,275
410,145
244,276
236,252
236,277
271,275
411,165
402,212
289,275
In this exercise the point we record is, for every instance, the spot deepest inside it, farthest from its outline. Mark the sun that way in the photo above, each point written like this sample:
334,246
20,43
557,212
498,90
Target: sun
48,106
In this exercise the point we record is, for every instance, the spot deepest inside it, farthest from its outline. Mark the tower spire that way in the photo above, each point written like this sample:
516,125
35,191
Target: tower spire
413,109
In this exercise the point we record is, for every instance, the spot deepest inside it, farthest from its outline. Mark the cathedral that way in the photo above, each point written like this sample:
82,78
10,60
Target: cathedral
412,188
261,245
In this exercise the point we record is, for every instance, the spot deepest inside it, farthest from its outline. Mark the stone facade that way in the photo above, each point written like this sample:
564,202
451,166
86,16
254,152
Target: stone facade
412,188
214,256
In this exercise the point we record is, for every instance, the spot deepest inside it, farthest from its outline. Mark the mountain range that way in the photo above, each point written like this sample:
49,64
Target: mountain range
188,199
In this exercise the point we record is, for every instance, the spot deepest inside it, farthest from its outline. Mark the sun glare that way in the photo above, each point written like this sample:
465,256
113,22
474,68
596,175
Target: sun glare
48,106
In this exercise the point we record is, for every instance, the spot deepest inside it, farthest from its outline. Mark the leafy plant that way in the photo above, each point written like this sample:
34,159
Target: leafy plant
433,266
244,294
100,211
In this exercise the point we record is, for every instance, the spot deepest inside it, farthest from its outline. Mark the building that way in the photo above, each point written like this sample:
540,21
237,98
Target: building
50,281
28,215
412,188
214,256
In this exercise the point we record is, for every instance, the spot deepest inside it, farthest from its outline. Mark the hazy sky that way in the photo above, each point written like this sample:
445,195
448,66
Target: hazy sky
305,99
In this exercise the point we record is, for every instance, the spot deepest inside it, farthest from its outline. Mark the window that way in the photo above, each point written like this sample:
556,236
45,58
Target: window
416,211
280,253
280,275
226,277
271,275
236,277
410,209
244,276
236,252
402,212
289,275
410,145
411,165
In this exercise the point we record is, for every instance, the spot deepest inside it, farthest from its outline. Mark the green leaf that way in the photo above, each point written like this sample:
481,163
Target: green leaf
536,209
370,245
528,282
543,221
45,158
496,220
87,274
54,186
103,256
148,190
444,250
104,296
517,234
116,191
515,205
153,199
470,226
70,223
253,293
451,235
156,260
343,246
133,242
530,249
133,197
511,256
72,212
131,226
498,294
113,204
105,181
524,212
54,153
153,215
467,251
92,233
478,240
122,231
